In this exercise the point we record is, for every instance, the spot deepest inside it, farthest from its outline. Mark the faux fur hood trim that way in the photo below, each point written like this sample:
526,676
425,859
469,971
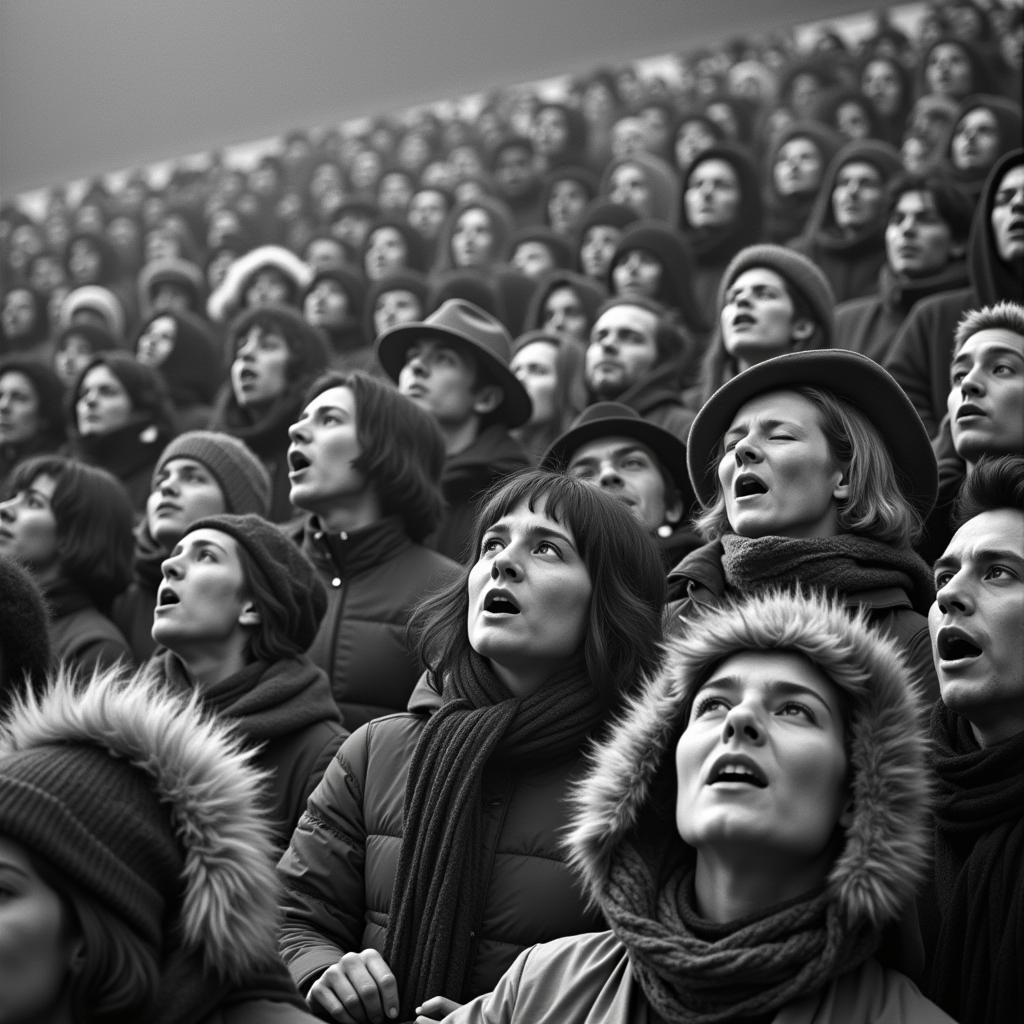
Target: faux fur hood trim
885,854
203,776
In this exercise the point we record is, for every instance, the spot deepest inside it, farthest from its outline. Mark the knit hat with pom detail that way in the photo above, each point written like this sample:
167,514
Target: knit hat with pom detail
289,573
241,476
149,806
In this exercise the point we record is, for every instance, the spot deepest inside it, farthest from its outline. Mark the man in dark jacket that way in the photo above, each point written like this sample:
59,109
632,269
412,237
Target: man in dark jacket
455,365
638,358
974,940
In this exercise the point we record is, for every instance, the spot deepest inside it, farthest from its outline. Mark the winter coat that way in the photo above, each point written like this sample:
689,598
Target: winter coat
82,636
698,581
850,262
339,870
373,578
285,709
587,979
870,324
467,475
922,352
658,398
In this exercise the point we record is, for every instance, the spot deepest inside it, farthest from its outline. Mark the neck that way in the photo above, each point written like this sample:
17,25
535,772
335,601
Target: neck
730,887
208,666
522,680
352,514
459,436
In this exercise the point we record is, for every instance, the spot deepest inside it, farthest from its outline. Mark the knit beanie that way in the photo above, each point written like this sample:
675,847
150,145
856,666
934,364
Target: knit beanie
24,631
286,570
241,476
150,808
97,299
800,274
172,270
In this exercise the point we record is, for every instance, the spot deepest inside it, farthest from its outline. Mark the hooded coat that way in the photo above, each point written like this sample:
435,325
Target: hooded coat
971,181
850,261
922,352
624,812
588,291
661,179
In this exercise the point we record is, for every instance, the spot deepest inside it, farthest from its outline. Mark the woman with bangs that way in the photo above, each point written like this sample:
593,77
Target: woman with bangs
70,526
814,471
430,854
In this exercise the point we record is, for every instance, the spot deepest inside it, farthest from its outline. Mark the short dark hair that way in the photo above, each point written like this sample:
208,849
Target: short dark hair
403,450
995,482
624,623
49,395
953,206
94,519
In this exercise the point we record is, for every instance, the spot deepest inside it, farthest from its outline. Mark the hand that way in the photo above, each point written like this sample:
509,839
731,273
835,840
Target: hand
358,989
434,1009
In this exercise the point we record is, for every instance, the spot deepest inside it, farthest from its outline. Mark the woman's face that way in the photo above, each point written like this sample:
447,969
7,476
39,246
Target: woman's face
84,262
103,405
566,203
565,313
396,307
692,138
184,491
882,85
156,342
798,167
637,272
267,286
852,121
628,186
947,71
36,943
761,765
712,195
70,359
776,472
20,416
758,318
550,131
18,314
975,142
28,527
529,597
326,305
536,367
386,252
393,192
597,248
473,239
259,372
533,258
202,601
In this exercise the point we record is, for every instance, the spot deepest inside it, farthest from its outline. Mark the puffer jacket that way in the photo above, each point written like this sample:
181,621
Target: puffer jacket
339,869
373,578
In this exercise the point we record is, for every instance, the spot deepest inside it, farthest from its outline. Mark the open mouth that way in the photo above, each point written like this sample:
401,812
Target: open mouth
738,769
166,597
967,410
743,320
955,645
747,484
500,602
297,461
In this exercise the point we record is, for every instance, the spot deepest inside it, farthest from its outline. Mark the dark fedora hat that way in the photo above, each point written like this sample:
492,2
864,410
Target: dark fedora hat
613,419
847,375
472,328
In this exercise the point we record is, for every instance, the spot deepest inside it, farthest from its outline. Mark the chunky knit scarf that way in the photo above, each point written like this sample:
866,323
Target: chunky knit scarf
975,972
437,901
694,971
845,564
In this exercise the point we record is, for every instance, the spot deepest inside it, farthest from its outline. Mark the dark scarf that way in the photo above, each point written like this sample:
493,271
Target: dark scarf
976,971
437,901
846,564
264,700
494,454
264,430
694,971
147,559
125,451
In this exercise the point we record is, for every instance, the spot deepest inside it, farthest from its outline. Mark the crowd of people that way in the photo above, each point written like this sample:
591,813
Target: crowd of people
560,565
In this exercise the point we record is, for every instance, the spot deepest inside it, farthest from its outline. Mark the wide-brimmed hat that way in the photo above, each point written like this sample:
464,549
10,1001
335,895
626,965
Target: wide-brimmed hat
845,374
471,327
614,419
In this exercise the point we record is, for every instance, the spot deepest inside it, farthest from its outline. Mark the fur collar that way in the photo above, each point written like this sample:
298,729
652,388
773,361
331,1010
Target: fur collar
885,854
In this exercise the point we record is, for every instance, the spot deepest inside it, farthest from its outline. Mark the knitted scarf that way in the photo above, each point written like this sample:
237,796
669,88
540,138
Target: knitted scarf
845,564
979,863
437,900
695,971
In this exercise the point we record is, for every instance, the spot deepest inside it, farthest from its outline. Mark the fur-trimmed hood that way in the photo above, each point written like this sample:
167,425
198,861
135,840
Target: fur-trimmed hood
165,801
884,855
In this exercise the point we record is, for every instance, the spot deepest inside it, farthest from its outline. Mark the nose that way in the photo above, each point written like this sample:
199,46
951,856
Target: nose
972,384
741,722
609,477
504,565
7,511
746,451
247,349
952,596
171,567
298,432
169,484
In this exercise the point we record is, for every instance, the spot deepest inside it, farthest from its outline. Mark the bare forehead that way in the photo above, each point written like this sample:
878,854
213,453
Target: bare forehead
612,445
991,340
627,317
776,405
1000,529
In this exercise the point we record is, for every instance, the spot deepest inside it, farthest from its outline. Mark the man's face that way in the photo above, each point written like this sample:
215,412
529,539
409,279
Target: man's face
1008,216
975,624
917,240
857,196
622,350
514,173
440,378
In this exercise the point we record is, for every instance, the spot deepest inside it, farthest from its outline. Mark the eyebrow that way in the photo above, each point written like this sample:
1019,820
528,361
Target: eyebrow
767,424
989,350
617,453
534,533
199,545
981,555
776,688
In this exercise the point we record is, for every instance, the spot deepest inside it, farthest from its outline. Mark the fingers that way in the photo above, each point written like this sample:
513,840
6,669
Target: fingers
434,1009
358,989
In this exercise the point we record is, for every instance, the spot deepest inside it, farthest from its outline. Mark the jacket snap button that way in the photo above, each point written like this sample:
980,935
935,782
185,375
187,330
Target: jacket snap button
336,582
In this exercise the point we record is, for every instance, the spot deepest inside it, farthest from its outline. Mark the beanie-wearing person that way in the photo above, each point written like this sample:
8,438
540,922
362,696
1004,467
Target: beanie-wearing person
25,655
333,303
599,231
139,875
754,823
200,473
237,609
